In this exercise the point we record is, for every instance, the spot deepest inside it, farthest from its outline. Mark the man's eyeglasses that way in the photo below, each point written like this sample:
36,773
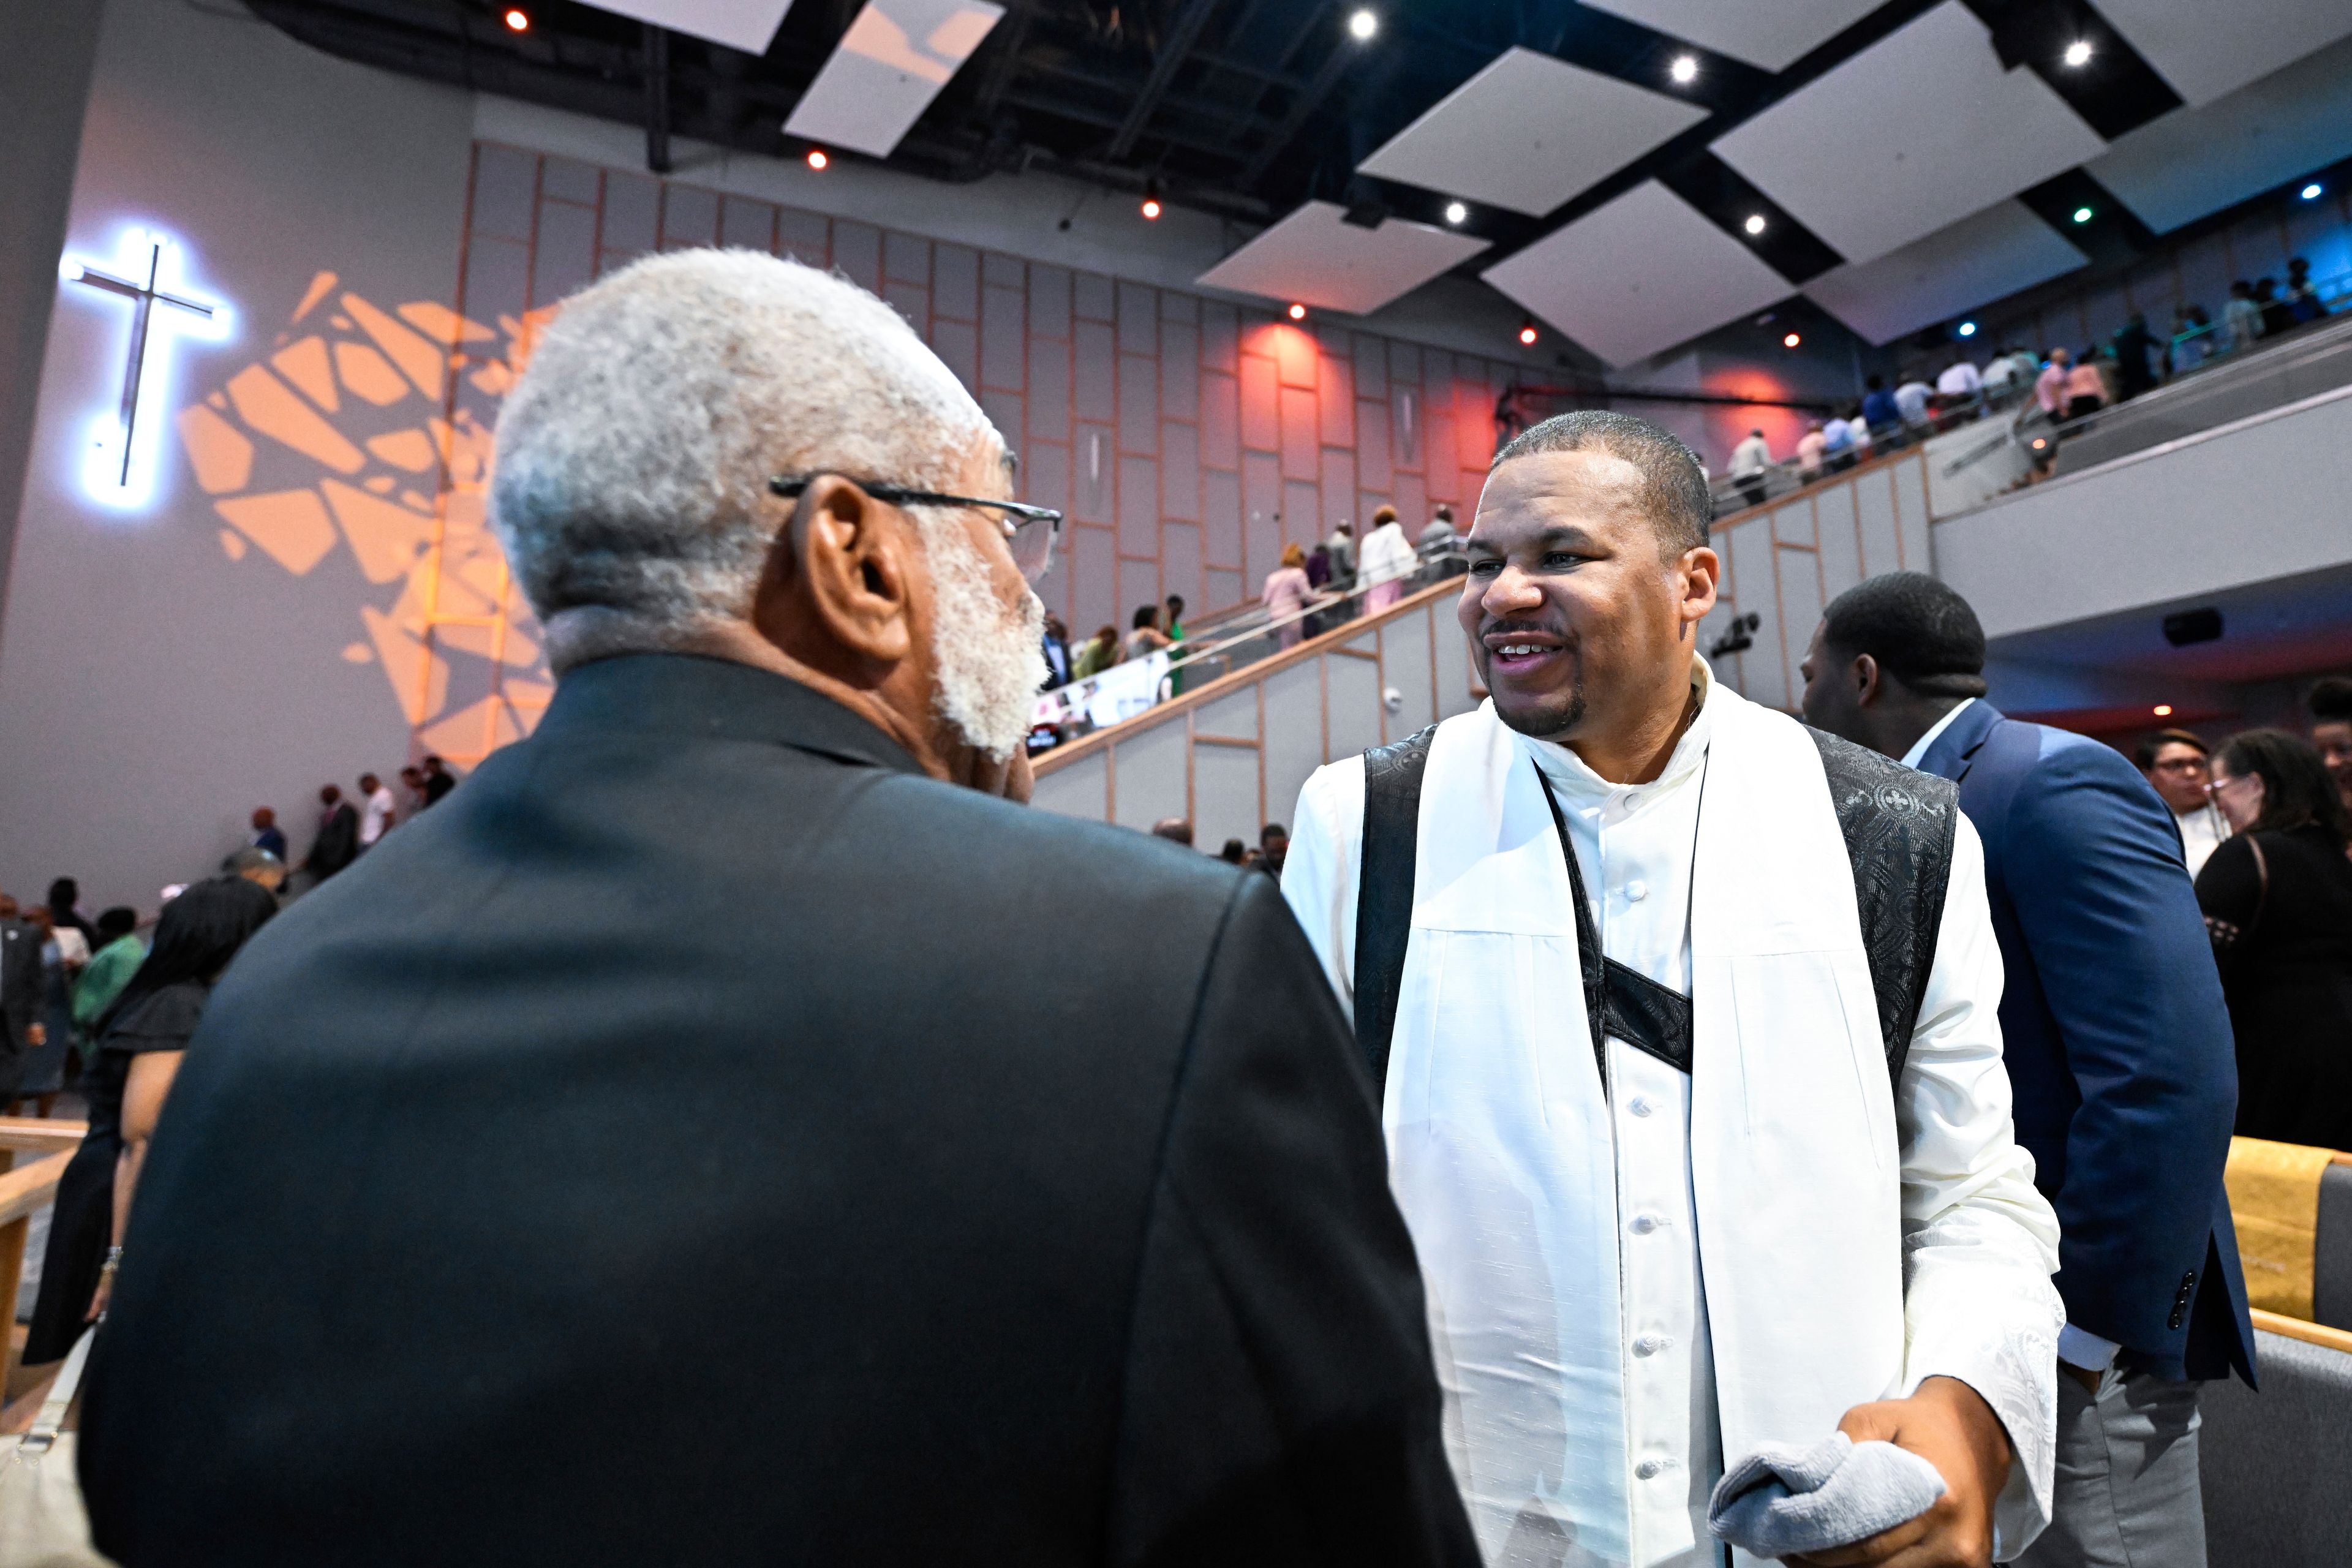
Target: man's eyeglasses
1029,530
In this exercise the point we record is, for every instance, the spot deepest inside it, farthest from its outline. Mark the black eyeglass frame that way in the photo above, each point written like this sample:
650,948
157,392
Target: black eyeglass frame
792,486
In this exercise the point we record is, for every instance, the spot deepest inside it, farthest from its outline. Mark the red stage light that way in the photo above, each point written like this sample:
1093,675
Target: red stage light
518,21
816,158
1297,312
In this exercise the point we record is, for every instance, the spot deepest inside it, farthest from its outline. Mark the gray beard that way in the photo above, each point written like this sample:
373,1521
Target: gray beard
992,660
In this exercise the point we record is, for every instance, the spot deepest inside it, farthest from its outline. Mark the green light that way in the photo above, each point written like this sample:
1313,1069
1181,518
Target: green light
2081,215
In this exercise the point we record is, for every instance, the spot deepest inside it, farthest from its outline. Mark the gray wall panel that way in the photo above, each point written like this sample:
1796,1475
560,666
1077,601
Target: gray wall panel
1355,701
1294,734
1405,659
1149,784
1079,790
1225,796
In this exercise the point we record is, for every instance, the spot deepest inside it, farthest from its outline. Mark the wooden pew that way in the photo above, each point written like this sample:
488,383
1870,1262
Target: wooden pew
34,1154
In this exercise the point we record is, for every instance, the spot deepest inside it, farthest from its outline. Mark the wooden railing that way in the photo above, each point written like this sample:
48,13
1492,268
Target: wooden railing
34,1154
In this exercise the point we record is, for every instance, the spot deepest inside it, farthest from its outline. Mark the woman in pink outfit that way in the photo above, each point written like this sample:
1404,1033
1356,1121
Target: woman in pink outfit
1285,593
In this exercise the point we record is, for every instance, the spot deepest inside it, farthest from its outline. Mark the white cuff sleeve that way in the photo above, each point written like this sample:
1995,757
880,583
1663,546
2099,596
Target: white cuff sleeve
2080,1347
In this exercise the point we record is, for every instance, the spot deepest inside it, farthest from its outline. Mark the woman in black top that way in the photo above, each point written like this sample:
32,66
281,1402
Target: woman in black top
141,1040
2277,898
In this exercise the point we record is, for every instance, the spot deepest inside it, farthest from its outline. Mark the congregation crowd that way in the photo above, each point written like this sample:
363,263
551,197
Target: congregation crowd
2062,389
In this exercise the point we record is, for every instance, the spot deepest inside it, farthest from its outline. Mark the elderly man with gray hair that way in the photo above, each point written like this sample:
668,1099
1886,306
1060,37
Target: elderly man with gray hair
683,1147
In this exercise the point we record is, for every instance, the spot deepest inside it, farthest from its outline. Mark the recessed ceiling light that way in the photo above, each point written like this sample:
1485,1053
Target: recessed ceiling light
1362,25
1792,341
2081,215
1297,312
1456,213
1527,331
1755,224
816,158
2311,192
1685,69
2078,53
1968,329
2163,709
518,21
1151,207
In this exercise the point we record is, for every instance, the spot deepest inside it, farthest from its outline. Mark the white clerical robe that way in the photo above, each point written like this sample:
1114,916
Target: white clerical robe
1629,1281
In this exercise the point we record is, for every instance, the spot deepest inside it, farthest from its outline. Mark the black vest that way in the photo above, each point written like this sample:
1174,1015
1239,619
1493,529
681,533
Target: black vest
1899,826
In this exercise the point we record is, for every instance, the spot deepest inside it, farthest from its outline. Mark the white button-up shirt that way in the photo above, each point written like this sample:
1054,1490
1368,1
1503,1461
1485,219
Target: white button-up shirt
1633,847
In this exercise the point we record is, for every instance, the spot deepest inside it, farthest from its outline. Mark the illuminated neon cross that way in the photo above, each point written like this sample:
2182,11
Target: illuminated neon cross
144,296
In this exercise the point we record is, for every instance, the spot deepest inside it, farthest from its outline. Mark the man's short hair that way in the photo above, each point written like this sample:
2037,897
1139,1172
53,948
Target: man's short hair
1921,633
1175,829
1673,486
634,454
1383,516
2331,700
2146,752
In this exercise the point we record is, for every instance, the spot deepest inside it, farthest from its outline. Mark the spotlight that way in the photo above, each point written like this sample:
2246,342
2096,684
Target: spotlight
2311,192
816,158
1456,213
1755,224
1297,312
1968,329
1362,25
1792,341
2163,709
1151,199
1527,331
2078,53
517,21
2081,215
1685,70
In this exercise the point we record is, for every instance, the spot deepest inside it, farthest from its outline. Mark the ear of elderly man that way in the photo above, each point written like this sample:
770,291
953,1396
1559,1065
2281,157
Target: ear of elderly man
680,1146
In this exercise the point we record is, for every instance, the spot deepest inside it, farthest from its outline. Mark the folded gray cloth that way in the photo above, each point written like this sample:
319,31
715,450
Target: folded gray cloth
1783,1501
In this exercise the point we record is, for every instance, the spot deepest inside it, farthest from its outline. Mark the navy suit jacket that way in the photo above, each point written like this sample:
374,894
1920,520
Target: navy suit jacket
2116,1037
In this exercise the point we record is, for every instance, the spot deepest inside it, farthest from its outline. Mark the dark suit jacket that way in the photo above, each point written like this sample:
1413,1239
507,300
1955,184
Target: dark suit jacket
682,1149
2116,1038
338,842
22,992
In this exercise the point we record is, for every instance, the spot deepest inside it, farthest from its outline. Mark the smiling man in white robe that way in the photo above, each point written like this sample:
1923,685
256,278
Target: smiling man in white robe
1684,1020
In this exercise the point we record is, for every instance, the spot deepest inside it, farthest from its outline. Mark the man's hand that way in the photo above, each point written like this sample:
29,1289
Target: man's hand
2088,1376
1948,1424
36,1034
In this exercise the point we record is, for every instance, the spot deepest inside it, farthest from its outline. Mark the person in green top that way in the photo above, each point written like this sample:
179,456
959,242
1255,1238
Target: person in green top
1098,653
1175,636
119,954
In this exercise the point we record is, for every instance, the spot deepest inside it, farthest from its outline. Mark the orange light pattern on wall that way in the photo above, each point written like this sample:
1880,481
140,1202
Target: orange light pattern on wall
332,441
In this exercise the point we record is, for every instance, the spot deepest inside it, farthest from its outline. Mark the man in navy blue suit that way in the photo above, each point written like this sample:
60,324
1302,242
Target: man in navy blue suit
2118,1048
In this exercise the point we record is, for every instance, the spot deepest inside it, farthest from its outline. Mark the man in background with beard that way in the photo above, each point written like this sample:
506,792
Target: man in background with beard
681,1149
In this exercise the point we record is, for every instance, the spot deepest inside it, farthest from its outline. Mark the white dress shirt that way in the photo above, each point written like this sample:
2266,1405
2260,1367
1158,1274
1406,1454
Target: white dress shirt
2201,832
1934,733
1634,845
376,815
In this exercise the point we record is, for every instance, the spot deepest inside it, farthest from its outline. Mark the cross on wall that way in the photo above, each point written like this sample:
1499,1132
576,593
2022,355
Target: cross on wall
144,298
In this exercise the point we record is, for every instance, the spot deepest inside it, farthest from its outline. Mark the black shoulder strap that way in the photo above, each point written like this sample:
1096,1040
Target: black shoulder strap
1384,893
1899,826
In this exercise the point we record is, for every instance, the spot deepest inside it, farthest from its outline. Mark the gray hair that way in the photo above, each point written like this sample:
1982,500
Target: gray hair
1673,486
634,454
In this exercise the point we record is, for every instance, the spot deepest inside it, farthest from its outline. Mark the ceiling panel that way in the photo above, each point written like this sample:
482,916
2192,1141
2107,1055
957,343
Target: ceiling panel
1915,132
2197,160
1773,35
2205,51
1528,133
746,25
1318,258
1983,257
891,63
1638,276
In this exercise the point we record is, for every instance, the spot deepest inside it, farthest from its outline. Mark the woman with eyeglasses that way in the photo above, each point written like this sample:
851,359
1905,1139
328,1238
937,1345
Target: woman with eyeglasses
2277,896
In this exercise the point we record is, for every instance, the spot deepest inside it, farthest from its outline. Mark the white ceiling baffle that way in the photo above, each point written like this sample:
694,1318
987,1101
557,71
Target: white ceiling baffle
1637,276
746,25
1528,133
1774,36
892,62
2205,50
1985,255
1917,131
1318,258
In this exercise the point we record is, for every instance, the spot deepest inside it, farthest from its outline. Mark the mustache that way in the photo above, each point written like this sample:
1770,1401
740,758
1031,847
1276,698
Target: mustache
1487,629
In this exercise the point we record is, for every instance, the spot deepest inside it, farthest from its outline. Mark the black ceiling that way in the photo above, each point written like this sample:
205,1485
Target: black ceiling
1240,108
